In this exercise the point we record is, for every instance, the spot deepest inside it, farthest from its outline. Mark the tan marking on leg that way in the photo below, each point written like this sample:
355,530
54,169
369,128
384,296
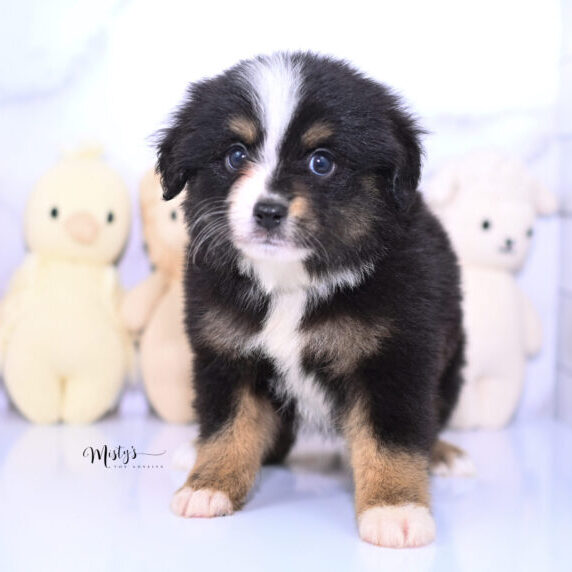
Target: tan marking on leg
383,476
443,451
391,488
243,128
317,134
228,462
448,460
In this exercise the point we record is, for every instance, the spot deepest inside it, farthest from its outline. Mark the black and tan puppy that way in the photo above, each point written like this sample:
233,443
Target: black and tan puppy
319,287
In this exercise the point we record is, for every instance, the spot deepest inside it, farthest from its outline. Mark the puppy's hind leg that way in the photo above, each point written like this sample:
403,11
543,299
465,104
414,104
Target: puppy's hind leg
285,434
448,460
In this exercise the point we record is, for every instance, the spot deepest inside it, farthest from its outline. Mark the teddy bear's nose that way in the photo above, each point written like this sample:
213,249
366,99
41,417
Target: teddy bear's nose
82,227
509,243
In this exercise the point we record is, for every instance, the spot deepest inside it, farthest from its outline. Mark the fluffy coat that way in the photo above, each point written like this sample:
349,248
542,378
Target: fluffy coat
320,288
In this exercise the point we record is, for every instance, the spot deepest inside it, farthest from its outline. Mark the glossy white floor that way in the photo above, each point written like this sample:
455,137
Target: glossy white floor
58,511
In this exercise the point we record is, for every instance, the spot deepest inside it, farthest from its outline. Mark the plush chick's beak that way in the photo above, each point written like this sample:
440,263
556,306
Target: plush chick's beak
82,227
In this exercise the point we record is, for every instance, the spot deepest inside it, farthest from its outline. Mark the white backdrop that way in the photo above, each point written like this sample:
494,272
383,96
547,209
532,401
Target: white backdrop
477,74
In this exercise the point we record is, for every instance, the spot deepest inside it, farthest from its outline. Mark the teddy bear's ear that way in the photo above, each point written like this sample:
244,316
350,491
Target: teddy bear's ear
545,201
442,187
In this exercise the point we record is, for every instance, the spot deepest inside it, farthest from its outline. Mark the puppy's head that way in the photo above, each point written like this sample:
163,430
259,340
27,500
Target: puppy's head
292,157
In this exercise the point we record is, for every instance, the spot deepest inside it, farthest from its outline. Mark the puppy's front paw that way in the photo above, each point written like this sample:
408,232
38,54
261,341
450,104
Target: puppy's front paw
188,502
401,526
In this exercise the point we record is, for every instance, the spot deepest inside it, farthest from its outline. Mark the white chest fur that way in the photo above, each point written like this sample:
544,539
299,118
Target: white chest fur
281,341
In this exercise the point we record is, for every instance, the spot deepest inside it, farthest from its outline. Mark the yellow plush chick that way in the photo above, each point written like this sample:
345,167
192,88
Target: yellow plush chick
154,308
65,353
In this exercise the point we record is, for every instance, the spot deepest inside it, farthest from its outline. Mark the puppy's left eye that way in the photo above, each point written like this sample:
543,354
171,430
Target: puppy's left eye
321,162
236,157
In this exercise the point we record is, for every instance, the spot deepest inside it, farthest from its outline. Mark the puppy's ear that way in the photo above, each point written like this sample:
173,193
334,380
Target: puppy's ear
180,150
171,164
405,176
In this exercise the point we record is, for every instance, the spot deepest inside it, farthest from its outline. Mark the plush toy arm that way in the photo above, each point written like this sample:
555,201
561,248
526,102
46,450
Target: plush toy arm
22,278
138,304
14,301
115,294
532,326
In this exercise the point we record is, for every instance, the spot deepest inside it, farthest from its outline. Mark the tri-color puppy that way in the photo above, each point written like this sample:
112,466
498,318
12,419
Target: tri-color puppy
319,287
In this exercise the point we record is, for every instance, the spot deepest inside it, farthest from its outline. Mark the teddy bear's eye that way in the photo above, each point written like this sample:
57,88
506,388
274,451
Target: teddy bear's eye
486,224
110,217
529,232
173,215
54,212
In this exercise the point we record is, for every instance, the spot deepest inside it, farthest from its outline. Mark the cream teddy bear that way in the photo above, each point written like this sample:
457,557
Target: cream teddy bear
65,353
154,308
488,203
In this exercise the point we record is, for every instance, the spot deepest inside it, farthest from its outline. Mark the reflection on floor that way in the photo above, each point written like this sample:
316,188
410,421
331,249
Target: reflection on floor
61,511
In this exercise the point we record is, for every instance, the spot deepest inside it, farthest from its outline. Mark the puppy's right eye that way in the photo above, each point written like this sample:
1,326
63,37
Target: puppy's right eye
236,157
486,224
321,163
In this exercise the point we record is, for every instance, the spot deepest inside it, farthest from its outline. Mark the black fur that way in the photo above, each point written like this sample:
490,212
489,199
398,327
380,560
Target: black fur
368,212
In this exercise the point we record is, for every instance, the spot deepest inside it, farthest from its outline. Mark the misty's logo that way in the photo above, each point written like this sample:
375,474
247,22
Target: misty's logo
120,457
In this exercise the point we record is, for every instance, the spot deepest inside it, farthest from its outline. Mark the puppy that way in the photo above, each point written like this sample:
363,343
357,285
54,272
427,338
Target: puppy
319,287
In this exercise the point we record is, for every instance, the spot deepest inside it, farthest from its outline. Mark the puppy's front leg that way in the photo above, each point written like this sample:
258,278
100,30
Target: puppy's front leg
228,460
391,487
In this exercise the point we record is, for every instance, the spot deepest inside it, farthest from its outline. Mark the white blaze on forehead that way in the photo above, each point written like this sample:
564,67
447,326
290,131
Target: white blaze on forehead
275,86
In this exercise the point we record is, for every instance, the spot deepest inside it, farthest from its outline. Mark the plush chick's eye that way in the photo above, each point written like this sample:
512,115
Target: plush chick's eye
236,157
529,232
486,224
54,213
110,217
321,162
173,215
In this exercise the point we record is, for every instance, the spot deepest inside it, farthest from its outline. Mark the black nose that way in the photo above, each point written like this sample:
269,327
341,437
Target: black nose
509,243
269,215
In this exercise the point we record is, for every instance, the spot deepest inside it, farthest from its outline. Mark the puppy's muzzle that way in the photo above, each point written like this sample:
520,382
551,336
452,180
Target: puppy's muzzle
269,215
